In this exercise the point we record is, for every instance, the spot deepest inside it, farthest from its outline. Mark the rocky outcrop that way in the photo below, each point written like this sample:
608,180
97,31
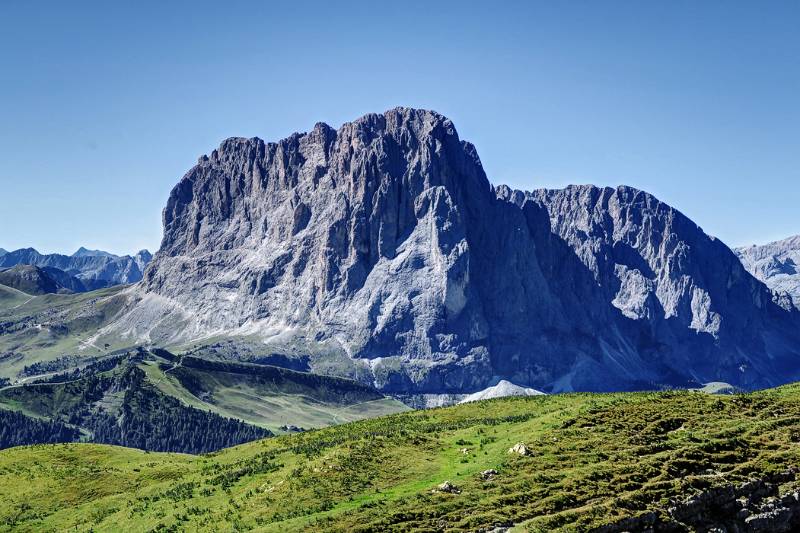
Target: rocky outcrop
93,268
751,507
381,251
777,264
520,449
448,487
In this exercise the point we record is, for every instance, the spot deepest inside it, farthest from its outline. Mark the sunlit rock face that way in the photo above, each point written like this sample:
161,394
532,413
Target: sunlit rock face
777,264
381,251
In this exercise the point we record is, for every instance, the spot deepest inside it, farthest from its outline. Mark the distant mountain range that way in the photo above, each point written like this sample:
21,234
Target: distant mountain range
777,264
84,270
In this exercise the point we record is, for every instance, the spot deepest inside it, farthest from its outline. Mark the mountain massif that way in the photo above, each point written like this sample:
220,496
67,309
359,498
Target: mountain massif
93,269
380,251
777,264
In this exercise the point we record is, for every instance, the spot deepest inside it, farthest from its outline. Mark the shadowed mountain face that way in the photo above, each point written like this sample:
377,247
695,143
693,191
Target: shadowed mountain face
93,268
35,281
778,265
382,251
29,279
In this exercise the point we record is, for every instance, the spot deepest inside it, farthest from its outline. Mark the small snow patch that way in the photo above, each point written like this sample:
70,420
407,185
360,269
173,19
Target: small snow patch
502,389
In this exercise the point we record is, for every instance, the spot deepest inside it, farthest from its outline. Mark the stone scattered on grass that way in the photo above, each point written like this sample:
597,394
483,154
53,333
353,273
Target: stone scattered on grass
521,449
488,474
447,487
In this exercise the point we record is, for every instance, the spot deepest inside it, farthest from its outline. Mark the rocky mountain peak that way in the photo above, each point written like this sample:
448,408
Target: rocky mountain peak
363,154
84,252
380,251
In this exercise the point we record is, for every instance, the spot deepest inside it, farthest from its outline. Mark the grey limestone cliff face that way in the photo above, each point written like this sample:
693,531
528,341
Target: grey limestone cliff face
381,251
777,264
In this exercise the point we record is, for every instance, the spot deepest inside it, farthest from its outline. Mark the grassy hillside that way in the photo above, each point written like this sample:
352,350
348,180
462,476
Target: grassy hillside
33,280
10,297
593,460
273,397
118,405
268,396
46,327
169,403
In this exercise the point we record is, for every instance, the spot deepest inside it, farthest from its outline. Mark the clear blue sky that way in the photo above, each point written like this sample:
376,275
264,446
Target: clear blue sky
105,105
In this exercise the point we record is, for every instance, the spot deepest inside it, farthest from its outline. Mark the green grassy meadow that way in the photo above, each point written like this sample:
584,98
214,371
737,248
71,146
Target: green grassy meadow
595,458
43,328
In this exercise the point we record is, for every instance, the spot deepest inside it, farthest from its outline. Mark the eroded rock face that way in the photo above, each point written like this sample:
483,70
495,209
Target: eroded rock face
777,264
381,251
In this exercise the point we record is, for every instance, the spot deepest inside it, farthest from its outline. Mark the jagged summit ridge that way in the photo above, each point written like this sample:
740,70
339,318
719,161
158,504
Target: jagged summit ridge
85,252
381,251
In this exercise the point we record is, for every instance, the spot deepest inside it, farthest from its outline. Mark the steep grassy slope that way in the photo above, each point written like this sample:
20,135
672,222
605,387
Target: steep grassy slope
28,279
269,396
594,459
10,297
274,397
